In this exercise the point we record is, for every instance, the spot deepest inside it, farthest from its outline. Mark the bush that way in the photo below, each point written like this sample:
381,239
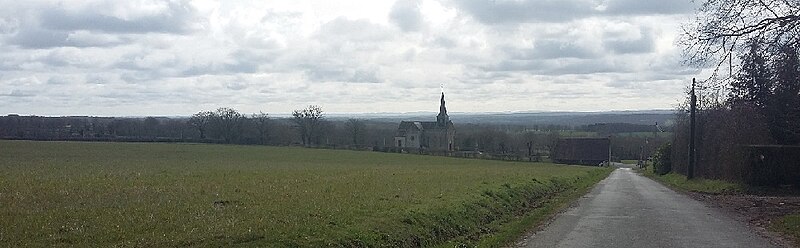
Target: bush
662,162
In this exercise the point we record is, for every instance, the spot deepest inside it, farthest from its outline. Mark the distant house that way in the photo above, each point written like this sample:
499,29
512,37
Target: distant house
586,151
436,135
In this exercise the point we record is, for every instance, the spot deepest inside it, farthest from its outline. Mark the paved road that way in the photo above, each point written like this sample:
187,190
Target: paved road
629,210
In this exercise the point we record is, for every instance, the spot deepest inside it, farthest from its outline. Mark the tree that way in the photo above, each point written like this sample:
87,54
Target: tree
151,126
308,122
262,125
724,27
200,122
753,84
227,124
356,130
784,107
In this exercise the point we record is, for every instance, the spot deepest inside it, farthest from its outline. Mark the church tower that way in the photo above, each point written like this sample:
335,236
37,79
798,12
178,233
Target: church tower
442,119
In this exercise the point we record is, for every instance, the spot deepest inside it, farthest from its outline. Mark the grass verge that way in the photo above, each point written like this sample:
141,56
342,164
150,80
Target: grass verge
699,185
549,207
789,225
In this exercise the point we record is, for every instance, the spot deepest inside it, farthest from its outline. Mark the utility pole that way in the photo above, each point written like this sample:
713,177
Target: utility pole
609,152
692,117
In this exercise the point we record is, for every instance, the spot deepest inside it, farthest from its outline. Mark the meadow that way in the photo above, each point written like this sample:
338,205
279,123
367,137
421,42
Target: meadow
158,194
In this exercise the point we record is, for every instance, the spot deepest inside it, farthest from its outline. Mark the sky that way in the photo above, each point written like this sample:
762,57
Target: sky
175,58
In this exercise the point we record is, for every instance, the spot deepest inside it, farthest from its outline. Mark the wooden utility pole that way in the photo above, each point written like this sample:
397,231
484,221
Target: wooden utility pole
609,152
692,117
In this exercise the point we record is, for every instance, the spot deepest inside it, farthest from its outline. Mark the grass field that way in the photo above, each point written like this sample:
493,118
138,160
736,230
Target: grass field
146,194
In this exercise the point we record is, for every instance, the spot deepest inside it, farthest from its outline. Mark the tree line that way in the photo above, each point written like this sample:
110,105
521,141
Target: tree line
311,128
752,99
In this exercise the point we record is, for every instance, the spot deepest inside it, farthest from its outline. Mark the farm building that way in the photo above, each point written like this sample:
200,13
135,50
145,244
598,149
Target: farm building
427,135
586,151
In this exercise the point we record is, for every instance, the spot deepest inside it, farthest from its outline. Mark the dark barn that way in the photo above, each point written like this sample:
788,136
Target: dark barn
585,151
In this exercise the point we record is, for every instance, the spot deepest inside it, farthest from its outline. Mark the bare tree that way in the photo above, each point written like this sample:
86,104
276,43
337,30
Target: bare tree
262,124
724,28
356,129
308,122
200,122
227,123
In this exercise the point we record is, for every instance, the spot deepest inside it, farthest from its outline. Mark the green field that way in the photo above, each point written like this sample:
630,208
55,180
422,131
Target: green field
147,194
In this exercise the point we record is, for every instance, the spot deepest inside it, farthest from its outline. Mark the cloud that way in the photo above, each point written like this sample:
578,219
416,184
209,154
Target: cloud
519,11
19,93
406,15
174,17
554,48
176,57
347,30
644,43
649,7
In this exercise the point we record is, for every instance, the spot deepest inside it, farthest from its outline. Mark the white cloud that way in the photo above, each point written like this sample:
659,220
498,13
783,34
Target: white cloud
177,57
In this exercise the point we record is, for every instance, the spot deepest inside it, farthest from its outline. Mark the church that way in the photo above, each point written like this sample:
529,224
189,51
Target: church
436,135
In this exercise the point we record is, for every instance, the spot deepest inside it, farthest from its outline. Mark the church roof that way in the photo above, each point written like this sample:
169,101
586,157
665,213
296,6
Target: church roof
406,126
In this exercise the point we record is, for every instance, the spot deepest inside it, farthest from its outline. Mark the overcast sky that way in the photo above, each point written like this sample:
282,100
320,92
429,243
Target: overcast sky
140,57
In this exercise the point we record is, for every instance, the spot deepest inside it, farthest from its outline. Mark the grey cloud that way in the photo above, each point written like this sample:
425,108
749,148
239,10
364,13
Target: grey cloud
559,66
134,77
198,69
19,93
445,42
137,62
249,61
346,30
243,61
8,25
318,74
644,44
102,79
553,48
406,15
552,11
328,73
236,85
366,76
176,20
62,80
37,38
648,7
495,12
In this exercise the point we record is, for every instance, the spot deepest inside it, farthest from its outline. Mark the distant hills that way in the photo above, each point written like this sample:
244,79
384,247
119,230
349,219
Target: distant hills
639,117
643,117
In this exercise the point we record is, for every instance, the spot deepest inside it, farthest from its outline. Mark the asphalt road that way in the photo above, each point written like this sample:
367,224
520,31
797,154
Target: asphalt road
630,210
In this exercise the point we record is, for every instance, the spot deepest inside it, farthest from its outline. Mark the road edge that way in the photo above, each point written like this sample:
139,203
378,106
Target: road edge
775,238
557,208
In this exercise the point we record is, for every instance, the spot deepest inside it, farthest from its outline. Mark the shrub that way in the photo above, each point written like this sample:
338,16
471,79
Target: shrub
662,161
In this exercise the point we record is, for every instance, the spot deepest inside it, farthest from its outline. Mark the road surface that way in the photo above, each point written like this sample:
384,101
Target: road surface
630,210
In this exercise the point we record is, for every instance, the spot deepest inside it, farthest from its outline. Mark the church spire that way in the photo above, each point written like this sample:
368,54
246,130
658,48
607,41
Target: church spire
442,118
442,108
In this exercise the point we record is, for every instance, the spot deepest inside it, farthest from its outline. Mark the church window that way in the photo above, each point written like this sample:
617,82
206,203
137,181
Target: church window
412,138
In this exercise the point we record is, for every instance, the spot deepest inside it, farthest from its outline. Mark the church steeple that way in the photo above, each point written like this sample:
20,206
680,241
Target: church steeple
442,118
